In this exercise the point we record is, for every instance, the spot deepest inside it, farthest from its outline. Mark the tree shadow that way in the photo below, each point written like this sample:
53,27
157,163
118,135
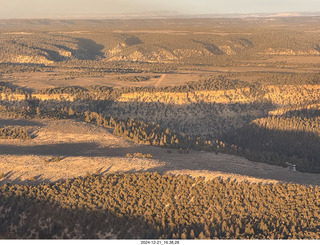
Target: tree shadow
35,180
280,144
212,48
8,84
32,218
68,150
89,49
19,122
210,164
197,161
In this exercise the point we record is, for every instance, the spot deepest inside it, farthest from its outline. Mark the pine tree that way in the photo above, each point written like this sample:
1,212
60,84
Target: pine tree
192,236
70,112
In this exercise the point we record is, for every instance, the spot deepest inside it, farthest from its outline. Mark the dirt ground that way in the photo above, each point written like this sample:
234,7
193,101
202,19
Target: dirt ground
85,149
40,80
59,78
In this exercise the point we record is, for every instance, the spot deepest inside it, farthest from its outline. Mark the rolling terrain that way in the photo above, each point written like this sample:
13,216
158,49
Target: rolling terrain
95,115
84,149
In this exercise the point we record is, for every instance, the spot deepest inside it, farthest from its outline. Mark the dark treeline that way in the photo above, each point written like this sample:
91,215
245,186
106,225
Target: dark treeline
149,205
91,92
215,84
134,78
7,68
290,79
279,78
87,93
100,67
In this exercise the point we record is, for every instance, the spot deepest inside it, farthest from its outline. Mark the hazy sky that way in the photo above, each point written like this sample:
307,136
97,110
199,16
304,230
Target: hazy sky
56,8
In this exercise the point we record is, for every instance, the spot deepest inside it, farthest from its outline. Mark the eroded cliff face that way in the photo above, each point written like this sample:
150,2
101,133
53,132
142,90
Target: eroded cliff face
278,95
161,56
285,51
27,59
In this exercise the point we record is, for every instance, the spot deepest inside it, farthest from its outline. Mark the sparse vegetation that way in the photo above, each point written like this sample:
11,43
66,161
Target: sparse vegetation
138,155
56,159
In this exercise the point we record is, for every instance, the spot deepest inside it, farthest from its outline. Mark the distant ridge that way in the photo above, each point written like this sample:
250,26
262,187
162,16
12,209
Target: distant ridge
259,15
173,14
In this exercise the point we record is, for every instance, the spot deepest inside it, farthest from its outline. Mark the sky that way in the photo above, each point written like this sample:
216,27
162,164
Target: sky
65,8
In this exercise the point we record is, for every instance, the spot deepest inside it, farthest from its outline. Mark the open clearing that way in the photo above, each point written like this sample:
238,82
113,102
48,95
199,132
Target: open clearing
32,81
41,80
86,149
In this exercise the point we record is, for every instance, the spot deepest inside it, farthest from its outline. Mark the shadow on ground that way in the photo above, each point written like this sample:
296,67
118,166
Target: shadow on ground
19,122
45,219
171,160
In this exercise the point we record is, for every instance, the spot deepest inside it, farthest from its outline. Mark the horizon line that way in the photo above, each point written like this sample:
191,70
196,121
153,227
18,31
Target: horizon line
167,15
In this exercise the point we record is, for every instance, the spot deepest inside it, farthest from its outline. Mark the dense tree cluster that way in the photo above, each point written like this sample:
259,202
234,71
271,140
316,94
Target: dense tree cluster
7,68
289,78
14,133
215,84
210,84
91,92
143,133
149,205
133,78
138,155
